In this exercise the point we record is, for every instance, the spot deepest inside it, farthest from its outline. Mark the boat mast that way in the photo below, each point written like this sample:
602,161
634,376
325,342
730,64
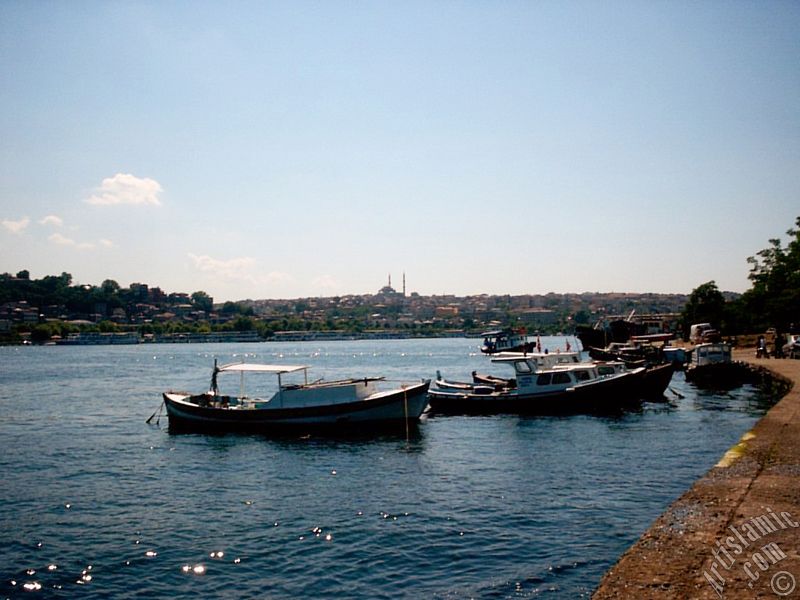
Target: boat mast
214,387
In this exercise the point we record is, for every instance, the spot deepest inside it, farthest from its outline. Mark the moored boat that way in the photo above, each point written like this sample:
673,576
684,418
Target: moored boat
710,364
656,380
506,340
311,405
652,384
563,388
637,351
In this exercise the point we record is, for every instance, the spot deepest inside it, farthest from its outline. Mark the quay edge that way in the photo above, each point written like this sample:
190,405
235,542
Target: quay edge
687,553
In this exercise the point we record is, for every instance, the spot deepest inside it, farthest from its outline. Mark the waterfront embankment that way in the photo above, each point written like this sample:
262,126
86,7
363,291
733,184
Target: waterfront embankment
736,532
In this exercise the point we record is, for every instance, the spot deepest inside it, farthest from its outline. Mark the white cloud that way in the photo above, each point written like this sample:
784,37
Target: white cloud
124,188
237,269
106,243
57,238
62,240
16,226
325,282
52,220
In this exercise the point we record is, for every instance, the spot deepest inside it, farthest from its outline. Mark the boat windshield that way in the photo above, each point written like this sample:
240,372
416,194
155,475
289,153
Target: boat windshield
523,366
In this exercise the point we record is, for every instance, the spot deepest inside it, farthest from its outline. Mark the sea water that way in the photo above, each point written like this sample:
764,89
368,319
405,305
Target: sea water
95,503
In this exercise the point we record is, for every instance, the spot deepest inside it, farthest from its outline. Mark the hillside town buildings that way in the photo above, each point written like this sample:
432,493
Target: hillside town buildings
142,307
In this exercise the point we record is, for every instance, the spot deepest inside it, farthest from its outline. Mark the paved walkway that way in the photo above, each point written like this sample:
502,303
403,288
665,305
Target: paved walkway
736,532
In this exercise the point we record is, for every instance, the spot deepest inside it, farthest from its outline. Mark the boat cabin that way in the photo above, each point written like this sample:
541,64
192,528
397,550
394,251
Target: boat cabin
541,360
291,394
710,354
542,373
503,340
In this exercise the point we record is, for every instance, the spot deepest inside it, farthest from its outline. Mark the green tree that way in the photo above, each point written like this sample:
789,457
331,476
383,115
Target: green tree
42,332
244,324
774,299
582,317
203,301
706,305
107,326
109,287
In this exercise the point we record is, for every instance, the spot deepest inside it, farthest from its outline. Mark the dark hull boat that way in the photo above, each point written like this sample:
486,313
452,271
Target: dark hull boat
711,366
655,381
323,405
506,340
601,335
579,388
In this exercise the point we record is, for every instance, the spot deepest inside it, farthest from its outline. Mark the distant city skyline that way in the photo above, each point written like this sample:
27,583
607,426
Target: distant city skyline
296,149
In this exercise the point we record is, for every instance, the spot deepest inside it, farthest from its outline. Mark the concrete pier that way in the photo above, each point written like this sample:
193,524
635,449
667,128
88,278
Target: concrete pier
736,532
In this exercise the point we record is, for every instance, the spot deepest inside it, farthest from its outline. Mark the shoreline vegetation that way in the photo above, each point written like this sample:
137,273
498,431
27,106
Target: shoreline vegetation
53,310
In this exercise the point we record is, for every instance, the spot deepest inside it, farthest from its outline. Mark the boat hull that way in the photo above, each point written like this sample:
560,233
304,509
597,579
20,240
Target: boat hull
604,396
523,347
396,406
655,381
717,376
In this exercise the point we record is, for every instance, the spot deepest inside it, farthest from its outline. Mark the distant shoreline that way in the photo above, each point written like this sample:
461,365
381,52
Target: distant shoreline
119,339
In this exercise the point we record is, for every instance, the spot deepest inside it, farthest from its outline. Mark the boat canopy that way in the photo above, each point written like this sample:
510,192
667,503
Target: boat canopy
259,368
653,337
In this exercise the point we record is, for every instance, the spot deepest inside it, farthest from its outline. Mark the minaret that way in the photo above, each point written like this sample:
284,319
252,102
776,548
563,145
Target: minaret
404,284
390,280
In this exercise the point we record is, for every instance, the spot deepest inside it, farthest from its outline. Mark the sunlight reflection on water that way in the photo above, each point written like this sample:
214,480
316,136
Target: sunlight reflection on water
484,507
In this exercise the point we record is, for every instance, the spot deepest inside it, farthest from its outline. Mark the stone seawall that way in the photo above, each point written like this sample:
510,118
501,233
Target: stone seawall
736,532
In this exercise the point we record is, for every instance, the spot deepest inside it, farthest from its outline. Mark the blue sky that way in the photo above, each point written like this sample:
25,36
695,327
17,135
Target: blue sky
287,149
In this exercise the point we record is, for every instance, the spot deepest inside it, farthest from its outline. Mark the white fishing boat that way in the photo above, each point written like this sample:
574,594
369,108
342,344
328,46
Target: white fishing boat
712,353
711,364
317,404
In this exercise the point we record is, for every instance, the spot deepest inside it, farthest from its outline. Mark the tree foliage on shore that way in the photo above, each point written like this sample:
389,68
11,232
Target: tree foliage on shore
772,301
57,290
706,305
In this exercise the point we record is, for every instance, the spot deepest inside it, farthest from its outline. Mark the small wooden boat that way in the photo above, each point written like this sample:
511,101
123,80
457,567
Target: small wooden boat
311,405
637,351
